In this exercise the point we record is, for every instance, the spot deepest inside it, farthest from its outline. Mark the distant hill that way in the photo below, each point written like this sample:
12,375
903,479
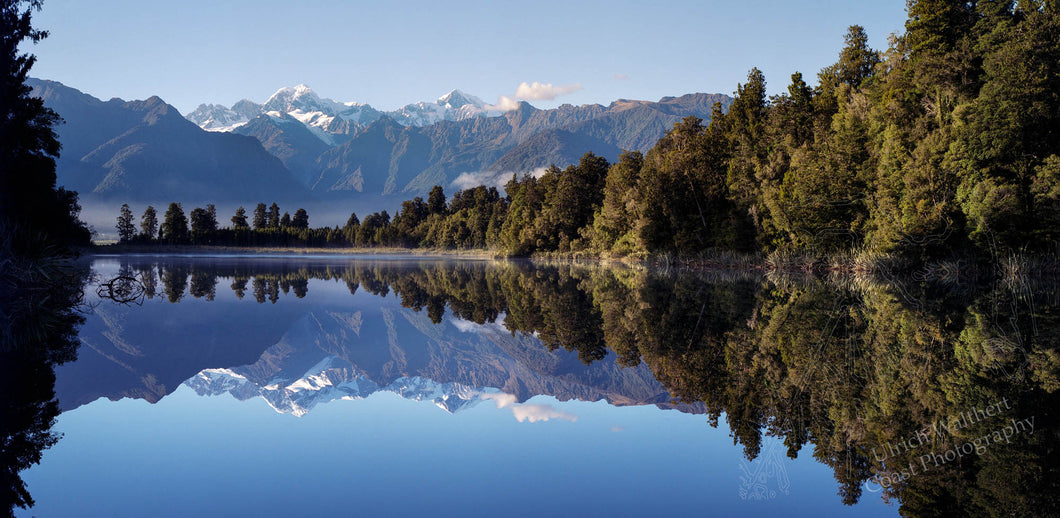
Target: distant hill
145,150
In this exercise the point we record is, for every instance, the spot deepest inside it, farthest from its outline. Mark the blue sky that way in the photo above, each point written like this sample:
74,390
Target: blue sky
395,52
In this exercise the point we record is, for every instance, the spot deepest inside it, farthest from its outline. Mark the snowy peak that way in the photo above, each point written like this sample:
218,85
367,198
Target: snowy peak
453,106
300,98
457,99
326,117
331,379
214,117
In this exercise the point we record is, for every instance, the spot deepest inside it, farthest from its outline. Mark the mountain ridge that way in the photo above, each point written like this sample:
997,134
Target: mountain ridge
145,149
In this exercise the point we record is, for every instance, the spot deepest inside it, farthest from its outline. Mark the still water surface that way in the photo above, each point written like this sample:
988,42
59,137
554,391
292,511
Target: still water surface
286,386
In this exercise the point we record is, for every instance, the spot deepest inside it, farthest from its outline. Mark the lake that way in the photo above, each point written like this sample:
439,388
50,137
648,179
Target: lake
279,386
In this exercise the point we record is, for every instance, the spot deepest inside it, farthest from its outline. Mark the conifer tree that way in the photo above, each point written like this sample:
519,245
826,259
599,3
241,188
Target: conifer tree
126,228
239,221
274,216
300,219
175,225
260,217
149,223
436,200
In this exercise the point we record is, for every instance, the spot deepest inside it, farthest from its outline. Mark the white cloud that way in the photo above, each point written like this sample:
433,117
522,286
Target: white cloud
621,77
501,398
527,411
535,413
496,179
488,178
532,92
544,91
467,326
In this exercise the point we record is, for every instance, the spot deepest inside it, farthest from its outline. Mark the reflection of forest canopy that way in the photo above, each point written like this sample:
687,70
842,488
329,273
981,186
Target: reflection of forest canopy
39,297
846,366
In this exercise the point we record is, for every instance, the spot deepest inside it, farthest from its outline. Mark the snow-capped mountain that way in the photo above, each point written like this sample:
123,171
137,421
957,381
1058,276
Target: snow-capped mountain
328,118
330,380
453,106
214,117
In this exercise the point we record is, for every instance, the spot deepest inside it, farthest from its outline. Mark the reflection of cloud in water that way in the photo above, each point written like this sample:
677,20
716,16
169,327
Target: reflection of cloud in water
528,411
467,326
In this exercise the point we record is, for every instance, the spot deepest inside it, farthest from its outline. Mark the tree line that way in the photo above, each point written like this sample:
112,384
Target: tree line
470,219
948,140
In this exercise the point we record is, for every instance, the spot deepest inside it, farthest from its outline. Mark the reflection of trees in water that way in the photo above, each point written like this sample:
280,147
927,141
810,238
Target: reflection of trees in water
846,365
39,297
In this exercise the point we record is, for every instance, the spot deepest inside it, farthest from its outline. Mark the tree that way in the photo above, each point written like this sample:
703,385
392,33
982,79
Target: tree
300,219
614,223
260,217
857,62
175,225
285,220
436,200
29,197
274,216
149,223
239,221
125,226
203,224
353,221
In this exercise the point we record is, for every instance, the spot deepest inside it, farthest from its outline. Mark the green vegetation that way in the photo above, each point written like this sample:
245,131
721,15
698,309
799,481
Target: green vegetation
947,141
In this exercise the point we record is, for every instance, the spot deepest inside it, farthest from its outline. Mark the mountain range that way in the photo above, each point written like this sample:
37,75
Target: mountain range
331,119
297,146
146,150
296,355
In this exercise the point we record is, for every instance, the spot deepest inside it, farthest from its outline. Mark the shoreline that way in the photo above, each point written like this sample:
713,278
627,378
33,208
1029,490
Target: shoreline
958,268
196,250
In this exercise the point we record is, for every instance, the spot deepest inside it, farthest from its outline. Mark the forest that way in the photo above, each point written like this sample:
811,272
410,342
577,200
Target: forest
947,141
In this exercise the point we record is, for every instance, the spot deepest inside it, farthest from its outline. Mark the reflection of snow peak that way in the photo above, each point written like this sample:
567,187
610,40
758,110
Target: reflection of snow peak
333,378
326,381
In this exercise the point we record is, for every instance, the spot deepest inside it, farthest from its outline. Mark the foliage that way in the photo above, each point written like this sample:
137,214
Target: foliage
126,228
29,197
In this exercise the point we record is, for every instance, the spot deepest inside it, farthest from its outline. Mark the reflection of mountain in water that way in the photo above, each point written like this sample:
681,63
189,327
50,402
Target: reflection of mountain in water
331,355
837,369
296,356
331,379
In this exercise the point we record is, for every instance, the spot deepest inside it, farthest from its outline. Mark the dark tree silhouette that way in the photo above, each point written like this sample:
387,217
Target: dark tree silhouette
29,197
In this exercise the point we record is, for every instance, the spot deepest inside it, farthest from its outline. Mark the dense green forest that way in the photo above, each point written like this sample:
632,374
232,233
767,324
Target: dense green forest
947,140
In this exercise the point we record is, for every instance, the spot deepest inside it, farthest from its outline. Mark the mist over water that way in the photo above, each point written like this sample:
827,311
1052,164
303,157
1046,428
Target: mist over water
101,214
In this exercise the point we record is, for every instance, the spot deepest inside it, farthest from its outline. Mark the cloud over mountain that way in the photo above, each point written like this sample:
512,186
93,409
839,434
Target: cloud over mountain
534,92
